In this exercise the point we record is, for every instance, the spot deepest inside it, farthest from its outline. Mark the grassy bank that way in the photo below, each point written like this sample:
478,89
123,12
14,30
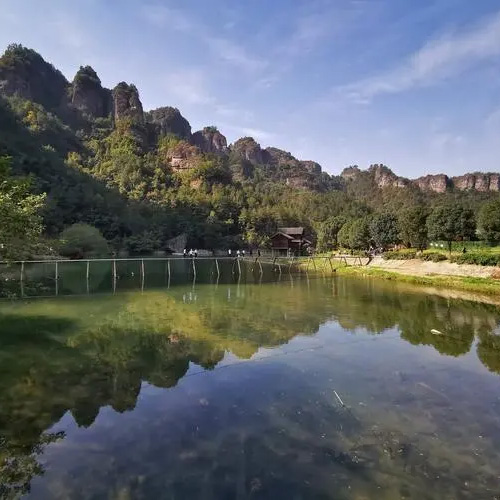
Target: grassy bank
470,284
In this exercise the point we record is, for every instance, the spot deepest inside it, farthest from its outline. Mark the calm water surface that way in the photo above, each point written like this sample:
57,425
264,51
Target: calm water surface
305,389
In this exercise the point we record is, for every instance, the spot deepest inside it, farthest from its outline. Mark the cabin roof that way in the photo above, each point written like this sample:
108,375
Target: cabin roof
291,230
280,233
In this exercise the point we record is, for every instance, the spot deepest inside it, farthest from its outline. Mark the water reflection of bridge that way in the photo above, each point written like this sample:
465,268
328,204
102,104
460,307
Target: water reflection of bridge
63,277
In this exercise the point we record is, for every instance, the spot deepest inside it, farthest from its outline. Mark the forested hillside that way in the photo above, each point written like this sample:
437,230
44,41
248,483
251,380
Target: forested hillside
142,178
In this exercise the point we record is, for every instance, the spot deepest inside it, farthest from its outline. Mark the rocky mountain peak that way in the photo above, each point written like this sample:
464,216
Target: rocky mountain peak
88,95
385,177
280,157
437,183
250,150
210,140
168,120
477,181
126,103
24,72
350,172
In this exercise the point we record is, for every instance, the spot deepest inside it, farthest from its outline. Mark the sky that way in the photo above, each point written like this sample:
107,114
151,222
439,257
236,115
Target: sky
413,84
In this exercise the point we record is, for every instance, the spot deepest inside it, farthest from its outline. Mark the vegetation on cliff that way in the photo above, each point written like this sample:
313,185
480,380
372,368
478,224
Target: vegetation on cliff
144,178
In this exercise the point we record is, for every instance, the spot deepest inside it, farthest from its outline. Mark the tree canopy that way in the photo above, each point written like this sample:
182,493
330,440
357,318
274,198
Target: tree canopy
355,234
20,219
141,178
81,240
384,230
451,222
488,221
412,226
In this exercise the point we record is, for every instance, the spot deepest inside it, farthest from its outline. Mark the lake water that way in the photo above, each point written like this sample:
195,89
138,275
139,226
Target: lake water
337,388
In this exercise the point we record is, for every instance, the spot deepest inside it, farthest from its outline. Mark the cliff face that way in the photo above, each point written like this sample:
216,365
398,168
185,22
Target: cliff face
437,183
478,181
385,177
248,149
23,72
350,173
168,120
182,156
126,103
88,95
380,175
279,157
210,140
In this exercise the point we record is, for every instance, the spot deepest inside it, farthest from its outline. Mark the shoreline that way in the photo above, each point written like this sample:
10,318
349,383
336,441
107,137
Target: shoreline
466,286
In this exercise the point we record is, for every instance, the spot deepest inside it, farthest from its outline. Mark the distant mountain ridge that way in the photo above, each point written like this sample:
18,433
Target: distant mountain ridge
439,183
84,102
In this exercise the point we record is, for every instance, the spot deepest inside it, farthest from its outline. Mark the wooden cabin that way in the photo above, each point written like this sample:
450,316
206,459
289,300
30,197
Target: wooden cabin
289,241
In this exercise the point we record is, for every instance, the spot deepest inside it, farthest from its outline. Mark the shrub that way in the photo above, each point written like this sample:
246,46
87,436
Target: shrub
82,241
400,254
433,256
478,258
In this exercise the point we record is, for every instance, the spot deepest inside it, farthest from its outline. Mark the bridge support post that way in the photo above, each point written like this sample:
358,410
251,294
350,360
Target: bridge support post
22,279
142,274
87,275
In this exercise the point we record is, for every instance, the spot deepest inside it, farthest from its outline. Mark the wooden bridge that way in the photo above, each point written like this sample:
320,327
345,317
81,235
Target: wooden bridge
17,275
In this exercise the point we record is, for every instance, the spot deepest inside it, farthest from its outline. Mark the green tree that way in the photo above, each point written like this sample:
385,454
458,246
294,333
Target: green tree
355,234
412,227
82,240
384,230
488,221
451,222
328,230
20,221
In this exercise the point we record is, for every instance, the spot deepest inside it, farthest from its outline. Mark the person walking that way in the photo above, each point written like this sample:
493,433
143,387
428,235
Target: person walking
196,253
229,252
238,252
185,253
243,252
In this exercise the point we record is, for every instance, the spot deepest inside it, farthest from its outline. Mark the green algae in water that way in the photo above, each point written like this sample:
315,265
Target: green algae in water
228,391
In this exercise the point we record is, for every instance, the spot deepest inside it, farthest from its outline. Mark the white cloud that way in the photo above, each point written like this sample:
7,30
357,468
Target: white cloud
224,49
258,134
229,111
189,85
69,32
161,15
228,51
436,61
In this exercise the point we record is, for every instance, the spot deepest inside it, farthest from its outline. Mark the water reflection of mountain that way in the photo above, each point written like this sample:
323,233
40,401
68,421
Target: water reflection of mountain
79,355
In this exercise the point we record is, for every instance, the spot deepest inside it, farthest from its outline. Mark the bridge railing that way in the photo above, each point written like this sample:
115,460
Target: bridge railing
75,277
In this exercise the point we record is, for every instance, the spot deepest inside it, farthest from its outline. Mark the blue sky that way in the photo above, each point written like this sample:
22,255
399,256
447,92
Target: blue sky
414,84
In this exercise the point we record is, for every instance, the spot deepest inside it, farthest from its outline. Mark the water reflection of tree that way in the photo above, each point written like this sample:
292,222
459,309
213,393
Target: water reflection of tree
376,307
81,355
488,351
19,464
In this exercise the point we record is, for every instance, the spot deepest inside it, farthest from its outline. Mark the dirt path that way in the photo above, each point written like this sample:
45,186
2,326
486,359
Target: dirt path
416,267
